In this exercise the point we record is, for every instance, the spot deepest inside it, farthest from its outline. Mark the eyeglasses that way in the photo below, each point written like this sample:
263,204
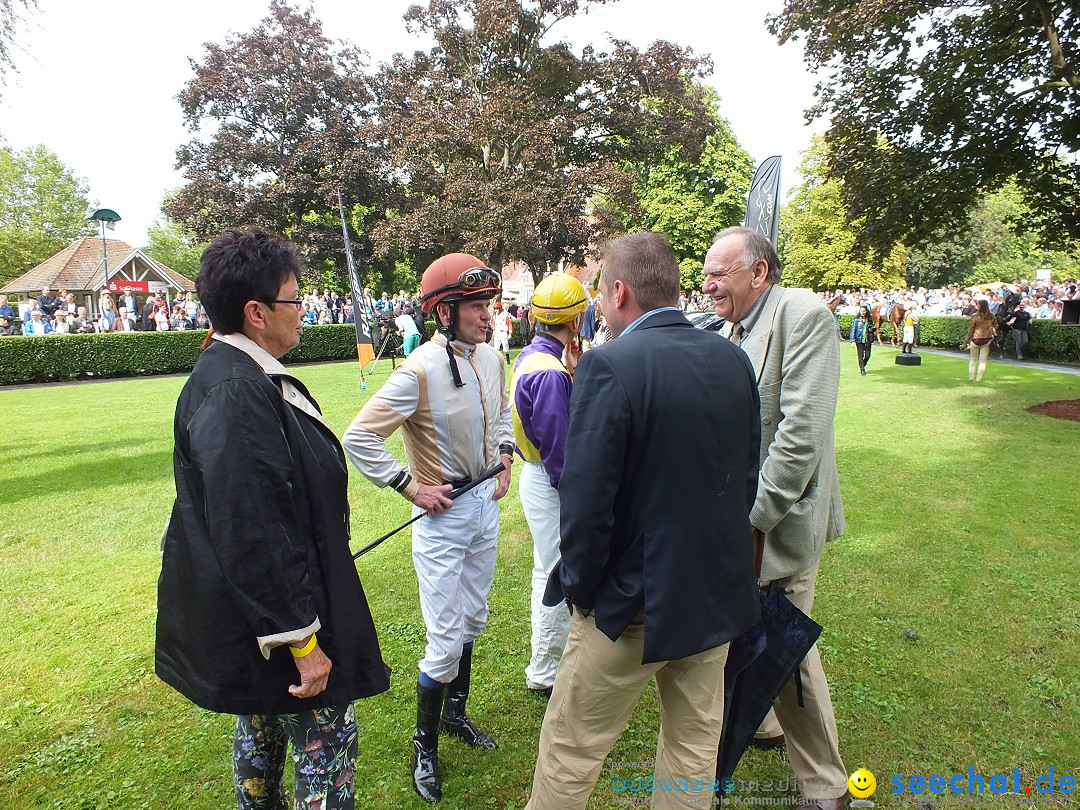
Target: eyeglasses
296,302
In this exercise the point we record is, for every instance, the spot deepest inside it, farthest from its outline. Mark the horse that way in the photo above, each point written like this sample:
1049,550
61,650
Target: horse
896,317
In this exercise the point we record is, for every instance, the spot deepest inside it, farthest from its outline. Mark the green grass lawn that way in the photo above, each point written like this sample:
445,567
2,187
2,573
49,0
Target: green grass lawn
951,613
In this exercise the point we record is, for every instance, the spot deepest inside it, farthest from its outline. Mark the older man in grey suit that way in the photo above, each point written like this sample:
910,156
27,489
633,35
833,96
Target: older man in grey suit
790,337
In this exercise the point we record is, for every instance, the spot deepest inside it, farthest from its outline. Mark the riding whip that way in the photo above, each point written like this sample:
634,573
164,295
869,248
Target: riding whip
453,495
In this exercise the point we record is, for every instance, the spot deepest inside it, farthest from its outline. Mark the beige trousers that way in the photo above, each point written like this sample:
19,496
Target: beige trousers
596,689
810,730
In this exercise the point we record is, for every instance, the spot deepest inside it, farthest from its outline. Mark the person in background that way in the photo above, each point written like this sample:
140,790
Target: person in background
8,328
37,325
502,326
418,319
540,391
261,613
982,330
124,322
47,303
83,324
60,322
862,336
128,300
911,323
5,308
161,316
180,320
1019,324
106,309
146,315
191,306
406,326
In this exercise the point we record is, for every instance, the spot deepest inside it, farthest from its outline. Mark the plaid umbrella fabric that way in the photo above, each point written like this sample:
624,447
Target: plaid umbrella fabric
758,666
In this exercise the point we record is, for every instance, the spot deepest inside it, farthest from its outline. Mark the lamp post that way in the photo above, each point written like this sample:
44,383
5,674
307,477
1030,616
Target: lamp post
106,218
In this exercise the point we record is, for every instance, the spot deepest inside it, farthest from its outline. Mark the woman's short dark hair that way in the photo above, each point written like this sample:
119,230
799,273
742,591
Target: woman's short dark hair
241,265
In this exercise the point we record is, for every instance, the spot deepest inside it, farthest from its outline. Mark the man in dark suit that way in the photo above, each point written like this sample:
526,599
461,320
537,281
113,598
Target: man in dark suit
657,558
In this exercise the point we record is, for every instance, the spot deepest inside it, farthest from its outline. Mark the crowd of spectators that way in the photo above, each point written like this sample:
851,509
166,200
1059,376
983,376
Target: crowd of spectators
1043,299
60,314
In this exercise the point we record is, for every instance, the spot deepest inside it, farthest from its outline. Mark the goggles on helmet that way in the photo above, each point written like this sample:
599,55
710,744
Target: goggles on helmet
476,278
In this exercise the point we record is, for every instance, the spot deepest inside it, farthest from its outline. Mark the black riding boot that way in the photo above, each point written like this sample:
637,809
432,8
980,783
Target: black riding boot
454,721
425,759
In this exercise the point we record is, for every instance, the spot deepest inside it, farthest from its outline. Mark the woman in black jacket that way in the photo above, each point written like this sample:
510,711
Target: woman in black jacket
260,610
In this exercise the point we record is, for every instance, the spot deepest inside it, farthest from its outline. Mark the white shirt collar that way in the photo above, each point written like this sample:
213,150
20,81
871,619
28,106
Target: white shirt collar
267,362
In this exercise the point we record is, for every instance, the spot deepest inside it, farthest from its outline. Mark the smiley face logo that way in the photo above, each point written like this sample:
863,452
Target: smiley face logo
862,784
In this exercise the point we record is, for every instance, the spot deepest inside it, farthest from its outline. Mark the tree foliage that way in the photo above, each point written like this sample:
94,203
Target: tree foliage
997,242
283,117
503,137
932,104
693,200
11,20
43,207
816,239
176,248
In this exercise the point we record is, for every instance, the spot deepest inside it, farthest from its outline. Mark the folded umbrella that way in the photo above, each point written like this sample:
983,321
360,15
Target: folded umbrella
759,664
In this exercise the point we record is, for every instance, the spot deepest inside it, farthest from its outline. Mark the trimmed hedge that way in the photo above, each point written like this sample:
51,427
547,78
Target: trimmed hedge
1050,340
82,357
56,358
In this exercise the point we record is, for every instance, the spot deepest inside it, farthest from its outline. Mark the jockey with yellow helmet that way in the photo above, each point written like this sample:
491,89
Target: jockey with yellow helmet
540,390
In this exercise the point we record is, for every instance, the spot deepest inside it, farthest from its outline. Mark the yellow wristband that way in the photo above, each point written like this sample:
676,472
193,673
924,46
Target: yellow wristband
301,652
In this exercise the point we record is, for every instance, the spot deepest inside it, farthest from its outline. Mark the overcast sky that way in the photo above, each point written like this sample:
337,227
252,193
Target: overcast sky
97,82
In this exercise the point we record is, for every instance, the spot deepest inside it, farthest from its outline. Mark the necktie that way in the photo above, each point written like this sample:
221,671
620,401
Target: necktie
737,334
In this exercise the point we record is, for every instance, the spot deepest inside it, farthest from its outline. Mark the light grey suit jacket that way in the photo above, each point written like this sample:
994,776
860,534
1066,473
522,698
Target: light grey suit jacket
794,350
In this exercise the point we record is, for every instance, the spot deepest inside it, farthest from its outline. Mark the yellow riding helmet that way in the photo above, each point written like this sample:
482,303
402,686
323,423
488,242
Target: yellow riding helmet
559,298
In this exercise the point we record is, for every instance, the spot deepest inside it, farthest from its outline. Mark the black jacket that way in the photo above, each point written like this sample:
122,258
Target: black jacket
258,544
660,475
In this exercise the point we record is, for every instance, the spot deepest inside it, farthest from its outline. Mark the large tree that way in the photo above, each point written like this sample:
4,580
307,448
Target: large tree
43,207
933,103
503,137
816,239
692,200
280,117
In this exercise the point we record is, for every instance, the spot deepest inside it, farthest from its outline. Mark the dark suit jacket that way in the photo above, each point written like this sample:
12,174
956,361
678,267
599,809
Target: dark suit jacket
660,474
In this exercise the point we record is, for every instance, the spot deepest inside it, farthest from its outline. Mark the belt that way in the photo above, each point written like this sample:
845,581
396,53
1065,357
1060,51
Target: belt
458,483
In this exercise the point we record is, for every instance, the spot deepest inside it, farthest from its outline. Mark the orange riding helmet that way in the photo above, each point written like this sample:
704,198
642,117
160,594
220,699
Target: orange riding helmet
457,277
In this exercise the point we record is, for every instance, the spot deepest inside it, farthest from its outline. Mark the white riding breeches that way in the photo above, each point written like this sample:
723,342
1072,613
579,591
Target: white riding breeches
550,625
454,557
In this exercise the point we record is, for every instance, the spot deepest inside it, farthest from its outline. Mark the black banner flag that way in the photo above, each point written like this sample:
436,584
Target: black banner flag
365,348
763,203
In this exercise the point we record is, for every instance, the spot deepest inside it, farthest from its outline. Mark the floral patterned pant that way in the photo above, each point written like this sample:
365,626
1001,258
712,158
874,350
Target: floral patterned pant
324,743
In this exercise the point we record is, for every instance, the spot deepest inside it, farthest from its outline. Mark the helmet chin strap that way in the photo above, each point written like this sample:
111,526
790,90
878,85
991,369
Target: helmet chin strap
448,331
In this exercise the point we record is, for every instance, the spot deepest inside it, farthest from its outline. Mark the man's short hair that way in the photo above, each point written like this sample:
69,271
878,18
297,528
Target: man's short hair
241,265
645,262
755,248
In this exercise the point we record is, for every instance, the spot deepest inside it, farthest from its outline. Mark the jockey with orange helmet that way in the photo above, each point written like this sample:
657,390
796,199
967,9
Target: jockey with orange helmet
455,423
